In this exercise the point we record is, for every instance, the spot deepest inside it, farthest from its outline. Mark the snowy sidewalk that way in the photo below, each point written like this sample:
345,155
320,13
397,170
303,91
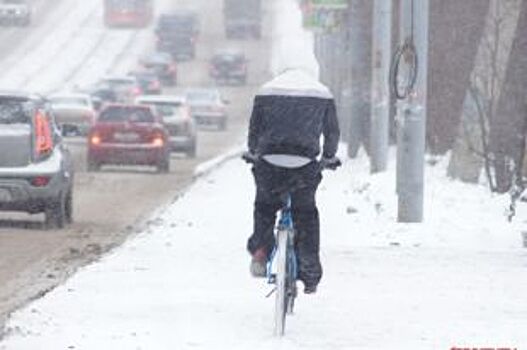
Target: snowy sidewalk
457,280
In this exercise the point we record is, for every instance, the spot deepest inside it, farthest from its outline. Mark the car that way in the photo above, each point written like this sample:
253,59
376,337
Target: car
15,12
99,93
163,65
181,127
128,134
36,175
126,88
148,81
177,34
243,18
207,107
74,112
227,66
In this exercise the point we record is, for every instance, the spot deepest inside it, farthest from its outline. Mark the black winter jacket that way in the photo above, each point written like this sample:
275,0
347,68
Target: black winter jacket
289,124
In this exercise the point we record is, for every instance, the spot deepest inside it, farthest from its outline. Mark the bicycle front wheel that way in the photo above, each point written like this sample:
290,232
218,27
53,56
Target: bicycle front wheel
281,282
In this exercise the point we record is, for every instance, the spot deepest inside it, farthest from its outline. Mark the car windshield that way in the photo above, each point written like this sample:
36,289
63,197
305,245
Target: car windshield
123,114
157,58
150,76
184,23
228,58
67,100
167,109
13,113
119,82
202,96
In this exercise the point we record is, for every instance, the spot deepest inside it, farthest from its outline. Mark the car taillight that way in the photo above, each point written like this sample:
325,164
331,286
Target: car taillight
95,139
158,140
40,181
155,85
136,91
43,138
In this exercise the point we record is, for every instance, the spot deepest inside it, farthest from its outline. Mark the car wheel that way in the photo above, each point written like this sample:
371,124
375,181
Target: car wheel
93,166
222,125
164,165
192,151
69,207
55,213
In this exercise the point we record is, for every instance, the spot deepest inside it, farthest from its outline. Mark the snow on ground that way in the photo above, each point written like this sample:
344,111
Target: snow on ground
455,280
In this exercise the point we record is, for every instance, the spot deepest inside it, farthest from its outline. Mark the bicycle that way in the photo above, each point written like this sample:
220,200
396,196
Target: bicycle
284,256
285,261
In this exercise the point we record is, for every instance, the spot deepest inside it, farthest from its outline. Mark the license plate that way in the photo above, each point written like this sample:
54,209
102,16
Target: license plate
5,195
126,137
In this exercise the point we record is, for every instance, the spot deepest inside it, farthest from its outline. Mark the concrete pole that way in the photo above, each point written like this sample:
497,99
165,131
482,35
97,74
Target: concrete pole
380,107
411,117
360,65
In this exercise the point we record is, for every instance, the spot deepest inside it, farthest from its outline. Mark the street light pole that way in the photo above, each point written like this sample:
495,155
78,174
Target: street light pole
380,106
411,116
360,65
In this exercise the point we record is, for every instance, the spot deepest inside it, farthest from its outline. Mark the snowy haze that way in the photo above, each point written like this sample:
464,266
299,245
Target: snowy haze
457,280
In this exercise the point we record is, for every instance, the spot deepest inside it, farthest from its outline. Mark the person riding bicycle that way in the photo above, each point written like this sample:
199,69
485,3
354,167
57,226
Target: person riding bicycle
290,114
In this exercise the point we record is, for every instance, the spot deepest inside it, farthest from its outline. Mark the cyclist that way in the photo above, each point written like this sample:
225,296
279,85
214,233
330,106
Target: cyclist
290,114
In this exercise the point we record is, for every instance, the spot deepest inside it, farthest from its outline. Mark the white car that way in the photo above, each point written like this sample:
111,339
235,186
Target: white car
126,88
177,119
74,112
36,170
208,107
15,12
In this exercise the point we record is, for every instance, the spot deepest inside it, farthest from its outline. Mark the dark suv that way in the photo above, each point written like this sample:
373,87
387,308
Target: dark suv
177,34
228,66
36,174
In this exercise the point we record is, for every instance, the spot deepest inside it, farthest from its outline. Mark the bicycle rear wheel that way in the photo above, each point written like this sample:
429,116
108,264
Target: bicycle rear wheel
281,304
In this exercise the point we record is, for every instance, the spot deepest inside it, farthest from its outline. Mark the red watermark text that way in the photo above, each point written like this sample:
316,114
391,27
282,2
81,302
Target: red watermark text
481,348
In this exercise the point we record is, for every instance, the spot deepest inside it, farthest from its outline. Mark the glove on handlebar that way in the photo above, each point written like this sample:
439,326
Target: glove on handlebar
249,157
330,163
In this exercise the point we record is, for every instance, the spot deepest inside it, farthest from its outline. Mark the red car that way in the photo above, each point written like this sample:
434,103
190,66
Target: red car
128,134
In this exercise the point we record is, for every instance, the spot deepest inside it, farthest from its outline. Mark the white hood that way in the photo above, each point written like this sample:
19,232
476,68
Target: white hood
295,82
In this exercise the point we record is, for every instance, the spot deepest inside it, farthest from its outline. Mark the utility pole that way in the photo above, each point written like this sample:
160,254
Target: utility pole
411,112
380,95
360,61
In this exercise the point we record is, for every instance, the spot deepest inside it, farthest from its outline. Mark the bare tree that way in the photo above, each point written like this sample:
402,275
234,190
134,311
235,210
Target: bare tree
473,149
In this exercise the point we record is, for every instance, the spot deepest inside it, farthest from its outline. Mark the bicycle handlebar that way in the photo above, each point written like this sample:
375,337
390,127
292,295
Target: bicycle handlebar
252,158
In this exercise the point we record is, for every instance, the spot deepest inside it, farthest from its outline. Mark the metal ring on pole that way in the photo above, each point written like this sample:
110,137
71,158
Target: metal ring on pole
408,53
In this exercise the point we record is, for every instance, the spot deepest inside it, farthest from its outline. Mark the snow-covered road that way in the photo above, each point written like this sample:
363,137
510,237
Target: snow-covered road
455,280
72,47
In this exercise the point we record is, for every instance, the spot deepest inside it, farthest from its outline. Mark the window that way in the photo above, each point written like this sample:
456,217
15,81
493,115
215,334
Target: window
14,112
123,114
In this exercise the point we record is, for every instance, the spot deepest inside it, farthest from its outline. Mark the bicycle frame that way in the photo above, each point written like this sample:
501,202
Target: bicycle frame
285,278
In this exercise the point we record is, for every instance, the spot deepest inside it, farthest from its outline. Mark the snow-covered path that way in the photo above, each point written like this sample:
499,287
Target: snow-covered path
456,280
